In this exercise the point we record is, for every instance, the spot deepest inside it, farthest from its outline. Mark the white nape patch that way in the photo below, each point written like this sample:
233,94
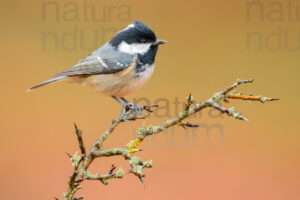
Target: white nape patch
134,48
101,61
128,27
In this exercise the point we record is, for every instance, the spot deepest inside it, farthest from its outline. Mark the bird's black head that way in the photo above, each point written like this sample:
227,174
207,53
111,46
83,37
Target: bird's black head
134,33
136,38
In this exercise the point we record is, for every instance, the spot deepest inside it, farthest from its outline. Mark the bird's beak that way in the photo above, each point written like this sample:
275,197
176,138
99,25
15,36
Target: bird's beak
158,42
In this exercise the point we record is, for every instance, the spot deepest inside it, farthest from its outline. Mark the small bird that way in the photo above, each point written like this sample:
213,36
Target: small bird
119,67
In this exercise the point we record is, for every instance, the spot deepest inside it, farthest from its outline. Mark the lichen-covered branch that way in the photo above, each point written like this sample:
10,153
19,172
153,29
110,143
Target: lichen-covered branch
82,162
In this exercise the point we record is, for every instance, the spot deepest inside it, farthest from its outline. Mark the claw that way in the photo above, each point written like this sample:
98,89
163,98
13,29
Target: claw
148,108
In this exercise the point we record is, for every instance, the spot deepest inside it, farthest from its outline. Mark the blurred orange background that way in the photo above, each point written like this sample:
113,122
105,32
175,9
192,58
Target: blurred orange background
210,45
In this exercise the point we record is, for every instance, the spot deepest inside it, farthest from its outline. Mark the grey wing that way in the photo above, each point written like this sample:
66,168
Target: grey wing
100,62
105,60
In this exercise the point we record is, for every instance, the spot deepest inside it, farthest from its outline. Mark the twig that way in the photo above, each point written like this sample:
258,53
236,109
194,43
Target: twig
236,84
251,98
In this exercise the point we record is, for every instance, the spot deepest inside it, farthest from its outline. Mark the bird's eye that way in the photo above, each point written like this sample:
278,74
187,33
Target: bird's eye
144,40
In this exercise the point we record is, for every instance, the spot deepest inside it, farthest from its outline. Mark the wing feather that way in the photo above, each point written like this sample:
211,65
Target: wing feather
89,66
105,60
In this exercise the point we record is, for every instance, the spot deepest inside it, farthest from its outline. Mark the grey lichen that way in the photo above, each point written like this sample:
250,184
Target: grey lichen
236,115
263,99
148,163
152,129
233,113
183,113
119,173
75,159
134,160
104,136
217,97
190,98
104,181
114,151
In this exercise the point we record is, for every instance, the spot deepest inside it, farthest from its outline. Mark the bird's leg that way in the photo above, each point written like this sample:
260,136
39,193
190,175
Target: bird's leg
131,108
125,109
125,100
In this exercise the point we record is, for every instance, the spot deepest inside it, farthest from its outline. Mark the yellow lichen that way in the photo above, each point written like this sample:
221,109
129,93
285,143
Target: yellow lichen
131,146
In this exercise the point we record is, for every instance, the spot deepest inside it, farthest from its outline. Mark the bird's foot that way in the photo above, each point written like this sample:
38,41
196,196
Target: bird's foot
131,111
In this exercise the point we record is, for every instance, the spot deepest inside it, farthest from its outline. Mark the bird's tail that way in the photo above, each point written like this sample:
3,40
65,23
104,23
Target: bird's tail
51,80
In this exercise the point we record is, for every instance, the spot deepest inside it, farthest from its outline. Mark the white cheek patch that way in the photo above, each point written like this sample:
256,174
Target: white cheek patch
134,48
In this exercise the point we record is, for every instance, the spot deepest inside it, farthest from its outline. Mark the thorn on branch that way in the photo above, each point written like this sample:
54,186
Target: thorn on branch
113,167
69,155
190,101
80,140
226,101
188,124
148,108
191,125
